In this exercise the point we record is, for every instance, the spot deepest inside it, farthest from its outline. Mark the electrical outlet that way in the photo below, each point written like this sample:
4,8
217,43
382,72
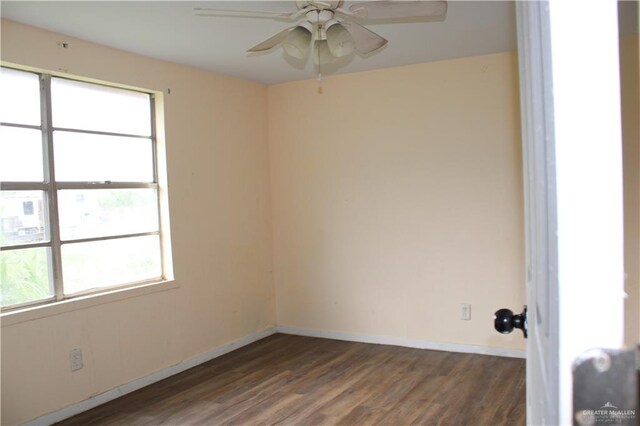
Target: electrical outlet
75,359
465,311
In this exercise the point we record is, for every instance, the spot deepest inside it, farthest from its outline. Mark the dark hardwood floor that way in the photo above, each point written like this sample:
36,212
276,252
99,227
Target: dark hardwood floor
292,380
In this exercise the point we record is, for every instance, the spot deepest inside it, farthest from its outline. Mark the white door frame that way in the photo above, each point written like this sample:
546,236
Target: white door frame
541,254
572,151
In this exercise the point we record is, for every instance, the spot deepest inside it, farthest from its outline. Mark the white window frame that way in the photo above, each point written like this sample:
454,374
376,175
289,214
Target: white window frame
50,187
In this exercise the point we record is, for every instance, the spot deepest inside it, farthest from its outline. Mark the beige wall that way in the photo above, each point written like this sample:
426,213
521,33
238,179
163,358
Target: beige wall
630,97
397,195
216,133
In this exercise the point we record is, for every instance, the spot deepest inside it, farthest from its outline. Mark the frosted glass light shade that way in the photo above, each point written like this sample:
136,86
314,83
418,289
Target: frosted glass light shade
339,41
297,42
322,54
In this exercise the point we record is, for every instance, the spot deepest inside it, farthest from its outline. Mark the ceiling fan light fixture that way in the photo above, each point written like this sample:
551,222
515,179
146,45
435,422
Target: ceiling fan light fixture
297,42
334,32
339,40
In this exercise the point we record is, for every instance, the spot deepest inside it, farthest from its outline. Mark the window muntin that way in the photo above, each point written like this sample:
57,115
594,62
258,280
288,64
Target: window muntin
79,197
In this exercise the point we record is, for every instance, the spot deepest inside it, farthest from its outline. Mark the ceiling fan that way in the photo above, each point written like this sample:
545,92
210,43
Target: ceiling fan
336,32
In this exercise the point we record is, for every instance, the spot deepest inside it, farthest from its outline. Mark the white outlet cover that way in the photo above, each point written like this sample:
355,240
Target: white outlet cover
465,311
75,359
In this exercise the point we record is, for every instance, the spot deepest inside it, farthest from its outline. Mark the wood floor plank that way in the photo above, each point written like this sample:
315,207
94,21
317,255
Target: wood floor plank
294,380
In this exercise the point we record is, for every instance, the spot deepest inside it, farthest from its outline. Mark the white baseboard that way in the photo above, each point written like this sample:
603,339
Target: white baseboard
409,343
121,390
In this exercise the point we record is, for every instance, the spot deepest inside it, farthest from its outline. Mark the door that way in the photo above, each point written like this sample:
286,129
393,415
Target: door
570,109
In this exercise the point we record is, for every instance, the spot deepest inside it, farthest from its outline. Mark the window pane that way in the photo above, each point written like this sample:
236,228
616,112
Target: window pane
80,157
85,106
97,264
20,155
20,101
93,213
24,276
22,217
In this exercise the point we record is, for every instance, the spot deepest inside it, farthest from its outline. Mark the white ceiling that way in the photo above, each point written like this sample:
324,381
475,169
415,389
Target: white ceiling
170,30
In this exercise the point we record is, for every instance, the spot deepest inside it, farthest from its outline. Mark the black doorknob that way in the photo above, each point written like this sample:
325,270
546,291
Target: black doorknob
505,321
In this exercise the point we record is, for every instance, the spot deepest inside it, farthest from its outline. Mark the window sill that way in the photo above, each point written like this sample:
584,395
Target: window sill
83,302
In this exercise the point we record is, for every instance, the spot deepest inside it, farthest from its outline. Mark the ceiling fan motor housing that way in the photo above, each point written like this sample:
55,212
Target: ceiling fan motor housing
319,18
321,5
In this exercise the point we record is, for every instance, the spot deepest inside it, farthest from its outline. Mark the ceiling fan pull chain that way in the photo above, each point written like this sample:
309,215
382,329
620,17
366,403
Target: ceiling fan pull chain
318,52
320,91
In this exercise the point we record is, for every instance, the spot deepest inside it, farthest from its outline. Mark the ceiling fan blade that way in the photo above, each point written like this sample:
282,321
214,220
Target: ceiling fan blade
271,42
366,41
203,11
386,9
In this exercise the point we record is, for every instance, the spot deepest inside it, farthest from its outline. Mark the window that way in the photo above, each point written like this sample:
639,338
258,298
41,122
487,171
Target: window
79,201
